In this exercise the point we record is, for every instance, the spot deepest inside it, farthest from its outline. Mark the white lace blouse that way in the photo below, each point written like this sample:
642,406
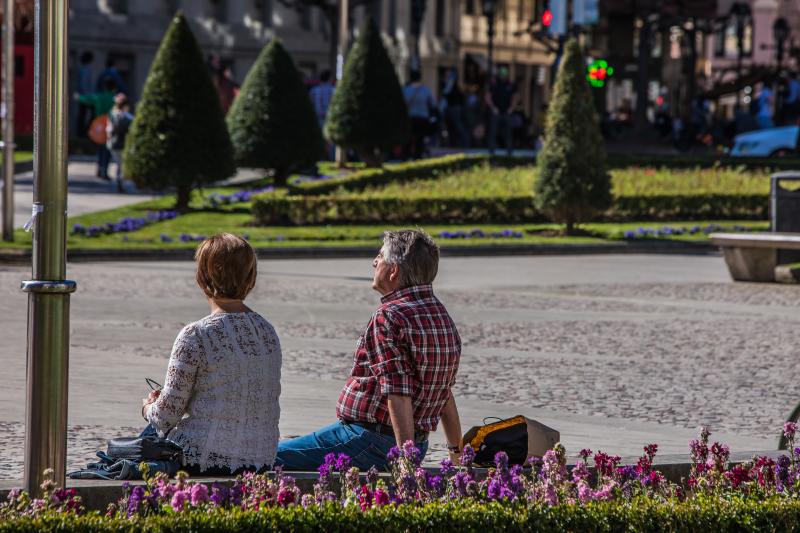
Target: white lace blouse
220,396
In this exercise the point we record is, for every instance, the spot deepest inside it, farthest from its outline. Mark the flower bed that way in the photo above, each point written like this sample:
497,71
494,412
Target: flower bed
598,494
124,225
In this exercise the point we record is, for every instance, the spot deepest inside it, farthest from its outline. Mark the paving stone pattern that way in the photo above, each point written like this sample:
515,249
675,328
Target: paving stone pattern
682,353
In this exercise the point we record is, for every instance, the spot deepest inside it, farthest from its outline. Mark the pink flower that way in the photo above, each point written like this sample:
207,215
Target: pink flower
585,494
365,498
381,497
199,494
179,500
789,430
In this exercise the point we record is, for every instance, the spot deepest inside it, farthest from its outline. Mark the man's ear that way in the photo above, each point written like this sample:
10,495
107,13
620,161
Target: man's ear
394,273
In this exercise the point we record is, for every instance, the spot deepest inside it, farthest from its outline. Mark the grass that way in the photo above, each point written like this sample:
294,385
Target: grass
21,156
487,182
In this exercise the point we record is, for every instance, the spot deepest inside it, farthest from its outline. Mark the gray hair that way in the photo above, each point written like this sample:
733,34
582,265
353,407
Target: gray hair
415,252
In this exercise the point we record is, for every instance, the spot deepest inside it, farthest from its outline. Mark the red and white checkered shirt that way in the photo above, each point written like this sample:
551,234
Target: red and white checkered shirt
410,348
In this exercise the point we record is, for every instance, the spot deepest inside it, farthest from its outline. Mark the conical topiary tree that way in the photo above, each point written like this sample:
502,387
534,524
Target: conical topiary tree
178,137
572,183
272,123
368,112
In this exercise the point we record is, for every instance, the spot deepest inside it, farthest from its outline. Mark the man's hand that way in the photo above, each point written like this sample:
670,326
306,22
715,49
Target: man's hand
451,425
401,412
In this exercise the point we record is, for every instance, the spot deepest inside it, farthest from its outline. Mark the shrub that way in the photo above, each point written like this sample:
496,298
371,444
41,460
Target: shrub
178,137
272,123
368,112
573,183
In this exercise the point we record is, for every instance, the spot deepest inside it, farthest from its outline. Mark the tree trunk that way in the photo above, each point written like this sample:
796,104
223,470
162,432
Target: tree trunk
372,158
280,176
182,197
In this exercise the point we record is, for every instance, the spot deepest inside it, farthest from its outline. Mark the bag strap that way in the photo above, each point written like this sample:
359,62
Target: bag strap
491,418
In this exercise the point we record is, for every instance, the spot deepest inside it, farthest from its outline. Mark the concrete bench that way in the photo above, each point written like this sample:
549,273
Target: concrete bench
754,256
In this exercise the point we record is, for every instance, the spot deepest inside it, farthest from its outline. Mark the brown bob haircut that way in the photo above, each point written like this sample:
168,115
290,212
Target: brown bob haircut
226,267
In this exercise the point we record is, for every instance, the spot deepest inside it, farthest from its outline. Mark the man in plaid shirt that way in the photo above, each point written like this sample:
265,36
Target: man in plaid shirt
404,367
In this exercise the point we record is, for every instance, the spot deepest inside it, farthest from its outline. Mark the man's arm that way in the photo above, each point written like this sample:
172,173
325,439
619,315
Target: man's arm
451,425
401,412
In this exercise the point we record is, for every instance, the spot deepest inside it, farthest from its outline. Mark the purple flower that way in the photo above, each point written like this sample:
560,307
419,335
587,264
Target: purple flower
342,462
179,500
165,238
219,494
199,494
467,455
789,430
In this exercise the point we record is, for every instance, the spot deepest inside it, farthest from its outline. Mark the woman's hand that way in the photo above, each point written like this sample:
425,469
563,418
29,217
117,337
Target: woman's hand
151,398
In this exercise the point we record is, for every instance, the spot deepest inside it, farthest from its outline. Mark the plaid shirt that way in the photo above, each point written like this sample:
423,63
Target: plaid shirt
410,348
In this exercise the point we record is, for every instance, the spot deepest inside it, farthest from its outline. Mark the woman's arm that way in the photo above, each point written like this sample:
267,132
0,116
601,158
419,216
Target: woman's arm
170,406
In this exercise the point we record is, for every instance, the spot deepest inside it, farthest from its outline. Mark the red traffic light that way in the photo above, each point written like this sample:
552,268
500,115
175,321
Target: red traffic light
547,18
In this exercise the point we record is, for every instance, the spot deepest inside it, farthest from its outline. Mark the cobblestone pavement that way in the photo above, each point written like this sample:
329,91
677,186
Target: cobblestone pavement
662,340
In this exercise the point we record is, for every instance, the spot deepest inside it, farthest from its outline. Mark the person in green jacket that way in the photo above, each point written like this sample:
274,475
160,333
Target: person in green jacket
102,102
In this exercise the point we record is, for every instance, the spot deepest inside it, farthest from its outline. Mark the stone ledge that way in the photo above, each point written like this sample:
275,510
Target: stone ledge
97,494
23,256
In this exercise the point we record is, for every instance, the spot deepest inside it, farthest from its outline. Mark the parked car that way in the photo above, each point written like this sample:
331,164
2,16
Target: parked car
771,142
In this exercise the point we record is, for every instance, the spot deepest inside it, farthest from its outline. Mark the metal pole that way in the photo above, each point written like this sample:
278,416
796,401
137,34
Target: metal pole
48,292
8,120
344,15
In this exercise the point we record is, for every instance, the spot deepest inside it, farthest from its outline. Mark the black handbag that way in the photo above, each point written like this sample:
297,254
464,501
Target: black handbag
520,437
143,449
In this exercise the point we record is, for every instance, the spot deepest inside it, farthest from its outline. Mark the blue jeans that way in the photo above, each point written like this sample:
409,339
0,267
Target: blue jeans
364,447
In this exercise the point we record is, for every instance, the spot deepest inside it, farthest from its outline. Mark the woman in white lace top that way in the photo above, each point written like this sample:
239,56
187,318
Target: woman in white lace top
220,397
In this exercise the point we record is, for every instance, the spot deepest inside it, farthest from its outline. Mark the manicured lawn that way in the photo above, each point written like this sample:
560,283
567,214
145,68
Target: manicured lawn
487,182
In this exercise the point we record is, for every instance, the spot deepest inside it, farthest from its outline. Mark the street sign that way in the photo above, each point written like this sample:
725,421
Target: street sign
585,12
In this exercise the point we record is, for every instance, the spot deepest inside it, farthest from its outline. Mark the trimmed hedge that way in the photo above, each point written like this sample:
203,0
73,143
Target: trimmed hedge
409,171
702,161
315,210
701,514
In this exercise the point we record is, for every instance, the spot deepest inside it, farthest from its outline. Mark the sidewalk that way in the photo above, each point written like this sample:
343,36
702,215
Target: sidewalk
88,193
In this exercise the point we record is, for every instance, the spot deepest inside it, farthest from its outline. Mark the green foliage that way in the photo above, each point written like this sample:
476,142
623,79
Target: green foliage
457,189
368,112
704,513
391,174
272,122
573,183
178,137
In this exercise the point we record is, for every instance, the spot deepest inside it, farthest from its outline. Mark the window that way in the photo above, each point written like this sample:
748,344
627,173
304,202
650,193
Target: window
374,10
521,11
304,17
118,7
441,13
219,11
469,7
264,10
392,17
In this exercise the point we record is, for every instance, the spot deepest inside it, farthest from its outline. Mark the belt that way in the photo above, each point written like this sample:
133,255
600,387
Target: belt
420,436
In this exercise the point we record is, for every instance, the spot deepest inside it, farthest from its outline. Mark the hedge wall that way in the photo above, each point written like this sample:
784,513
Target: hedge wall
314,210
702,514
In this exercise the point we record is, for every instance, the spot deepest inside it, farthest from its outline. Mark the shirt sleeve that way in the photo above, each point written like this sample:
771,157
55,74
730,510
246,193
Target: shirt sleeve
392,364
184,361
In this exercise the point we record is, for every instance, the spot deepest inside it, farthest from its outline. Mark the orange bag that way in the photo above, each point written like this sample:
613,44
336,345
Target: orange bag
97,130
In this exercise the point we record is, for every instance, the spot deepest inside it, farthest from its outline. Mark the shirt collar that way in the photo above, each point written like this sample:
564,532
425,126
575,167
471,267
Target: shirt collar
414,292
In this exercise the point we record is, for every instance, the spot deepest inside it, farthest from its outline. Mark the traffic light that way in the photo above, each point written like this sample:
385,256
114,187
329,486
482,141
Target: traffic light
547,18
